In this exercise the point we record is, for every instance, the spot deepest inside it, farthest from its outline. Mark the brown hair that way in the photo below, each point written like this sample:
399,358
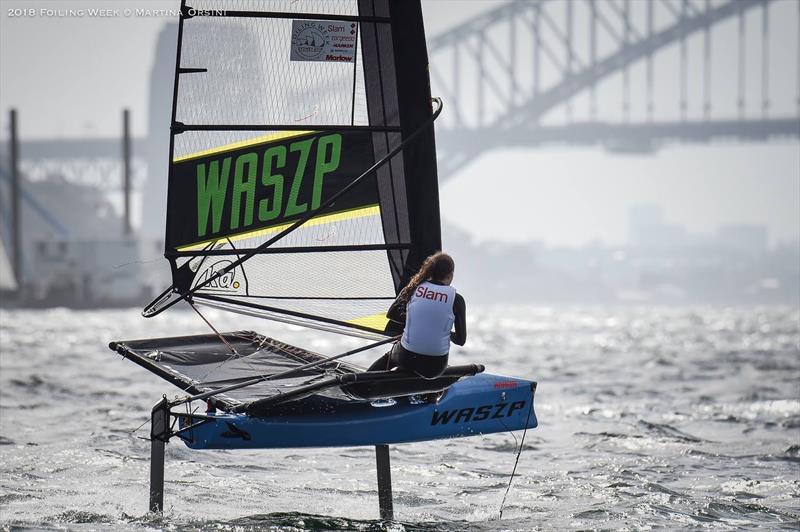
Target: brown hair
435,268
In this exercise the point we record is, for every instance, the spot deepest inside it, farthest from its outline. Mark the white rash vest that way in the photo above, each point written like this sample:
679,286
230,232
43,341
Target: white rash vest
429,319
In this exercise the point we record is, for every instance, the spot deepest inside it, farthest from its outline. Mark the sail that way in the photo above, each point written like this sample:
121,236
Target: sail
278,107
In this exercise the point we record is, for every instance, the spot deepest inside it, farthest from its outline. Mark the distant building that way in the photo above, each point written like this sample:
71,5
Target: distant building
751,240
648,230
68,257
162,78
645,215
84,273
8,283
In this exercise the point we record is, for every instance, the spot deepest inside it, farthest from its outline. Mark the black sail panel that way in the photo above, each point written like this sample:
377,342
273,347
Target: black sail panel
398,94
235,191
278,107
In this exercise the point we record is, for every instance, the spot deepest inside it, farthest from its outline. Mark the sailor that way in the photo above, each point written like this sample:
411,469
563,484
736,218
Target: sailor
428,307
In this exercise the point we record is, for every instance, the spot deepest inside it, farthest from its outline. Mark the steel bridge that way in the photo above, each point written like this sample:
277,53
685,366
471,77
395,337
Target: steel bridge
591,72
576,72
94,162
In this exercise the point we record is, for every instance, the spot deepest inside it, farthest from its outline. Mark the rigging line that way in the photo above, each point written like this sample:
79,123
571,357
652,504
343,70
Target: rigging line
221,337
326,204
134,431
322,298
355,72
519,453
233,350
260,347
221,302
262,378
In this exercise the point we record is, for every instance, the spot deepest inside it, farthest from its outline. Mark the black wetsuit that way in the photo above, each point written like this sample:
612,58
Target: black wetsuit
424,365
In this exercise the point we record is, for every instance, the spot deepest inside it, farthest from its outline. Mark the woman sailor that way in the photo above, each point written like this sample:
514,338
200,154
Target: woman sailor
428,307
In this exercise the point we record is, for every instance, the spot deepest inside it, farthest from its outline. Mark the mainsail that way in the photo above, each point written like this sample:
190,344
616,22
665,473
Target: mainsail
277,108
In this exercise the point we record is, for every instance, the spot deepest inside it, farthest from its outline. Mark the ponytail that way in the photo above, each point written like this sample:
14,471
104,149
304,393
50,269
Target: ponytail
436,267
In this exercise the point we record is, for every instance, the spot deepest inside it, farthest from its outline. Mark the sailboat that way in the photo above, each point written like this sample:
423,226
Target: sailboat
303,188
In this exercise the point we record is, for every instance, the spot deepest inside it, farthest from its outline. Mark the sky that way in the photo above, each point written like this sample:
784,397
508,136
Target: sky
70,76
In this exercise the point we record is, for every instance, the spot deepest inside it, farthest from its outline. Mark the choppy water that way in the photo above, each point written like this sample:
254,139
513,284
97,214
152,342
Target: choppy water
649,418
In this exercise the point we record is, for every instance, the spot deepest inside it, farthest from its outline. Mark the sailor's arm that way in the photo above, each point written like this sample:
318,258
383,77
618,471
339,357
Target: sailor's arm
459,336
397,312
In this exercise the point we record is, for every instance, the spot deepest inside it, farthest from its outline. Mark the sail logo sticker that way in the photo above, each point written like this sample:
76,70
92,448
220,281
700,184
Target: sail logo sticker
237,191
271,195
227,283
324,40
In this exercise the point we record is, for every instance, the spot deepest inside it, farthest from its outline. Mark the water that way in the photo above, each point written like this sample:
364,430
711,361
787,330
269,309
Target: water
649,418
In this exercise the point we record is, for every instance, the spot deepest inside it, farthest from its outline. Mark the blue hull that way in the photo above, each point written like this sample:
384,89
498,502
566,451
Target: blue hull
481,404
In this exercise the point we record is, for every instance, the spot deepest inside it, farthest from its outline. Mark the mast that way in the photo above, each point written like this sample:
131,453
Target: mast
126,172
16,235
419,160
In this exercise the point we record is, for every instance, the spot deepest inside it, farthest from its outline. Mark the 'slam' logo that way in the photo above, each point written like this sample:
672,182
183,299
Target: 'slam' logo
229,282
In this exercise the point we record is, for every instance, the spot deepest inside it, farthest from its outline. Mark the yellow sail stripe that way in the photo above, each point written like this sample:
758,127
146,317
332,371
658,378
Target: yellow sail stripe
376,321
263,139
351,214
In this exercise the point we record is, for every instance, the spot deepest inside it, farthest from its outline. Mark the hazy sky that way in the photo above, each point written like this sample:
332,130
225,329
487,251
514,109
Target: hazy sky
71,76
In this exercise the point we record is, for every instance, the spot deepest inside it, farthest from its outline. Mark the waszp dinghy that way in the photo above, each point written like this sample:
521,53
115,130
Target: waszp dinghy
303,188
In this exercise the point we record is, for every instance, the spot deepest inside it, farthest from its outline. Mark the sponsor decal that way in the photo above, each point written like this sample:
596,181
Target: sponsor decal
229,283
324,40
235,432
214,181
266,184
424,293
505,384
480,413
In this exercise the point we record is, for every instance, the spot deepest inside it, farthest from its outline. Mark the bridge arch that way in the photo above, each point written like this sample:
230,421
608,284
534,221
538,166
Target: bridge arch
493,64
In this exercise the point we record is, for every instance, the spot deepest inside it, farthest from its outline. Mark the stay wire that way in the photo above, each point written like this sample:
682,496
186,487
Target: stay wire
134,431
233,350
221,337
234,353
519,453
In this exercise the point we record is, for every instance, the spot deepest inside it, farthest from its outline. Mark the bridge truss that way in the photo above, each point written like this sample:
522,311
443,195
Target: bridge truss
548,71
576,72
